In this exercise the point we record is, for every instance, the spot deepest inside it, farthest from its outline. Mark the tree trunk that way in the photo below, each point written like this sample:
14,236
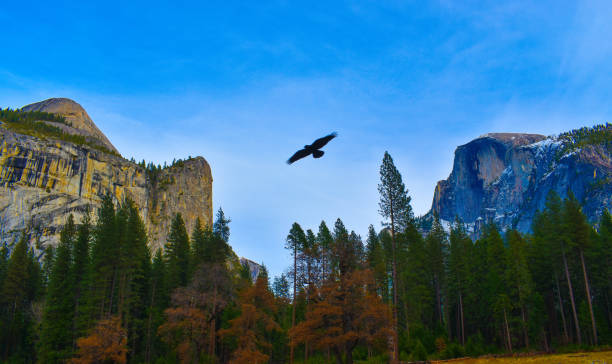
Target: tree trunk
438,299
407,317
213,325
525,333
562,310
112,293
395,324
307,301
211,345
462,321
507,331
338,355
609,309
294,295
588,294
349,356
571,292
149,319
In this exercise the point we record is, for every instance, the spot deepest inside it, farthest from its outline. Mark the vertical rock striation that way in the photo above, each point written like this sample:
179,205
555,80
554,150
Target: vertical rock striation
505,178
42,181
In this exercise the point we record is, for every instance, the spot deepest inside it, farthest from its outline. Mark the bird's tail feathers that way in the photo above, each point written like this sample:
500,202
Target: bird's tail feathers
317,153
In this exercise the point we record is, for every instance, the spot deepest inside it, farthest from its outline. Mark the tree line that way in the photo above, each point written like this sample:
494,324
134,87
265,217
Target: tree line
34,123
101,295
448,296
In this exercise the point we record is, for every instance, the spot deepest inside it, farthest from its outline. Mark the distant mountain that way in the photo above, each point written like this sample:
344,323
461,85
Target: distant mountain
254,268
50,169
505,177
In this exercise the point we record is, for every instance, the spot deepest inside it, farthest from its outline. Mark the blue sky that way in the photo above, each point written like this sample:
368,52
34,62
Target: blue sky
246,84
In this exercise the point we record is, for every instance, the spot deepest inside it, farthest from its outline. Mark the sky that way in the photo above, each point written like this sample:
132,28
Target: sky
246,84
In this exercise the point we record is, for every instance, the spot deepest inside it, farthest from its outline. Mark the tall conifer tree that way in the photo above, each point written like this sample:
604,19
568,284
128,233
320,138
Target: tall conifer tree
295,244
56,339
394,205
177,253
577,232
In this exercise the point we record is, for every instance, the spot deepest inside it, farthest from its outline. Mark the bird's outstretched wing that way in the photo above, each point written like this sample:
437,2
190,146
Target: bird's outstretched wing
299,155
320,143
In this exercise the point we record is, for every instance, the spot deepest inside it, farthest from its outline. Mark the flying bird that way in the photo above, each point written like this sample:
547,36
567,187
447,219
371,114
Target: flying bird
312,149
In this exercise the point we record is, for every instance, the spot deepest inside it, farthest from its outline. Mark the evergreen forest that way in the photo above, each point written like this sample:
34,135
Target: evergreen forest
102,296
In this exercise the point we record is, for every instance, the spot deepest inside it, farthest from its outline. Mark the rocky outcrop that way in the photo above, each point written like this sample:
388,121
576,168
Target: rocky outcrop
42,181
186,188
254,268
79,121
505,178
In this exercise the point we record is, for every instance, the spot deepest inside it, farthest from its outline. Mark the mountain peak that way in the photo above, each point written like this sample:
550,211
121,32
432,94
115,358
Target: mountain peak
75,115
514,139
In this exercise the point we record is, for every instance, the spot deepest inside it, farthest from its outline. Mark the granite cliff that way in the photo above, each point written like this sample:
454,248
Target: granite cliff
505,177
43,180
78,120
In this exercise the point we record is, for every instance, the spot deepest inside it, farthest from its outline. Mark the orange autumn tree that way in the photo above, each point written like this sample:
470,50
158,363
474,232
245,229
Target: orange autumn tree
256,320
346,310
346,314
107,343
186,325
190,326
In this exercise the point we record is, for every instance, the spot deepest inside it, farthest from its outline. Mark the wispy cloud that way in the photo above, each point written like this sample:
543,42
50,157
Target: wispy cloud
416,80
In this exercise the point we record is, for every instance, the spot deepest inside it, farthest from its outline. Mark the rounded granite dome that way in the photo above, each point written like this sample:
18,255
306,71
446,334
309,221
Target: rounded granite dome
74,114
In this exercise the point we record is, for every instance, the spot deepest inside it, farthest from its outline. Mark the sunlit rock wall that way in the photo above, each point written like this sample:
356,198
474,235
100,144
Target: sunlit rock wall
43,181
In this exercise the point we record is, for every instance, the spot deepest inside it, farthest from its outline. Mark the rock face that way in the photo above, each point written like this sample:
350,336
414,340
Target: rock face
186,188
505,178
43,181
253,267
76,116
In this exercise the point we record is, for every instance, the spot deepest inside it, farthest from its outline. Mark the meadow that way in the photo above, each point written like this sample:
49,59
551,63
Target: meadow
600,357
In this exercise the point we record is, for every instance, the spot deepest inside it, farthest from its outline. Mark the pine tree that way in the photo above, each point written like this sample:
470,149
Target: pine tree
280,287
346,249
190,324
221,226
295,243
375,257
324,241
253,326
4,259
437,251
177,254
56,339
346,313
545,260
104,252
416,276
80,276
605,256
134,279
577,232
198,244
559,241
459,272
22,285
495,280
394,205
47,262
158,301
519,279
